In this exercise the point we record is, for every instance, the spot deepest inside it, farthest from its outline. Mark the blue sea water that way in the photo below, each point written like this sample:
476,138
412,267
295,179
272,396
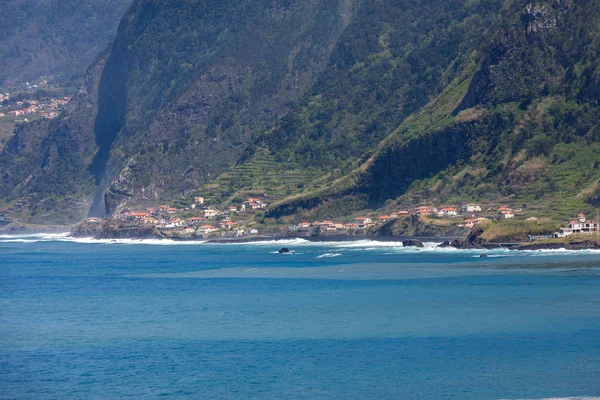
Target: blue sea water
83,319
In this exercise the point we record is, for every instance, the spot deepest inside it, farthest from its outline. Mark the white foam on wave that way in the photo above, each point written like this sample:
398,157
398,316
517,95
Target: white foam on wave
550,252
65,237
270,242
364,244
33,236
562,398
329,255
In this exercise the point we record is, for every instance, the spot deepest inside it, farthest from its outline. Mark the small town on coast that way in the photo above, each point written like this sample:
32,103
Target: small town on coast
200,221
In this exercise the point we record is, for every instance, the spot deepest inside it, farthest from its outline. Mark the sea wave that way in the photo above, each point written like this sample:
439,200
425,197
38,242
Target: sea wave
65,237
329,255
269,242
562,398
362,245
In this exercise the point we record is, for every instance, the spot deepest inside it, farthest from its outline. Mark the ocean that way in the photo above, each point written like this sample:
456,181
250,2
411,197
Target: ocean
86,319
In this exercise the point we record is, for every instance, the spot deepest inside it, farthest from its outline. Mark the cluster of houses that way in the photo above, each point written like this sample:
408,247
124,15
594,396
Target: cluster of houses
364,222
48,110
206,220
579,226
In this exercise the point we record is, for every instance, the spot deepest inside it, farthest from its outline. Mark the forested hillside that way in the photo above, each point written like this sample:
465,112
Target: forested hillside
329,107
54,37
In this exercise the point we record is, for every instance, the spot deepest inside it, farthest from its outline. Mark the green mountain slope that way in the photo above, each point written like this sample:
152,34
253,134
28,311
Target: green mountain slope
522,127
54,37
329,107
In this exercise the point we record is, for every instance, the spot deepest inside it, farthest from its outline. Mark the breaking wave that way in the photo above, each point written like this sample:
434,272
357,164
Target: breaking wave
338,247
329,255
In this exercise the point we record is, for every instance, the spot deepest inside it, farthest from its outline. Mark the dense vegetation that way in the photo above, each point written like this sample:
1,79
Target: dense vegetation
331,107
54,37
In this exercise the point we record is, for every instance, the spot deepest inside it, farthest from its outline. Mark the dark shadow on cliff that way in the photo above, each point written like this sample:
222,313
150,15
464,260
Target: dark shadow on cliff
112,107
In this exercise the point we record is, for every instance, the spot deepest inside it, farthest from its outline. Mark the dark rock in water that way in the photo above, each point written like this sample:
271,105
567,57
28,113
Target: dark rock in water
457,243
445,244
483,255
284,250
412,243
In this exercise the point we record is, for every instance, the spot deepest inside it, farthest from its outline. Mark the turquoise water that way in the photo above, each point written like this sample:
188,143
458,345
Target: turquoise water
85,319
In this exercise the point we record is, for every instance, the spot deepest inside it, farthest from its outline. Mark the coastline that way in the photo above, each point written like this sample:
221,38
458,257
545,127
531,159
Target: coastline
470,242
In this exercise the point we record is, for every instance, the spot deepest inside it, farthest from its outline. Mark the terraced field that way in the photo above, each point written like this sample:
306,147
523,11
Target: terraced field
261,175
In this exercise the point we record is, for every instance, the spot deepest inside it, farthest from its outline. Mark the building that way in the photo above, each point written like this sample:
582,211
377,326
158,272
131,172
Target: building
471,208
204,229
383,218
467,223
579,226
226,225
199,200
422,210
304,225
138,215
210,213
194,221
149,221
447,212
506,214
363,221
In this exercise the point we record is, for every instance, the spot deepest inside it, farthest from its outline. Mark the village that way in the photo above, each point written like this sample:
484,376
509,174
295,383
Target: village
49,109
195,220
199,220
27,104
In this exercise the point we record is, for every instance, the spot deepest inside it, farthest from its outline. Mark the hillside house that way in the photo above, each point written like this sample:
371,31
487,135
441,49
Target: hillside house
467,223
150,221
422,210
506,214
199,200
204,229
226,225
137,215
192,221
579,226
471,208
447,212
363,221
210,213
383,218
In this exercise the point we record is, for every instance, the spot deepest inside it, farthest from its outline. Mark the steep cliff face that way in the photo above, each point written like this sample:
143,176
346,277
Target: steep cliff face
193,104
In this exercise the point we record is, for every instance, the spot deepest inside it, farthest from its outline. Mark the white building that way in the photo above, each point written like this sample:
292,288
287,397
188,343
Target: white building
472,208
210,213
579,226
447,212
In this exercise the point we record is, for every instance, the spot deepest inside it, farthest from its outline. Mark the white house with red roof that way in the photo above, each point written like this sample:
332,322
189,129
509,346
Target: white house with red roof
579,226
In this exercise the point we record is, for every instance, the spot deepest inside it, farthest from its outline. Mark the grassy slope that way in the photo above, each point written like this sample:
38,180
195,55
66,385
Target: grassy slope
548,152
